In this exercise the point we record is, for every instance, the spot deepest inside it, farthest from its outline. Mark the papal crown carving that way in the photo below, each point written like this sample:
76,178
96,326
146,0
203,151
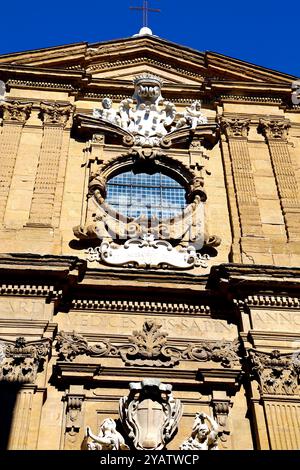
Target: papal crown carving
149,79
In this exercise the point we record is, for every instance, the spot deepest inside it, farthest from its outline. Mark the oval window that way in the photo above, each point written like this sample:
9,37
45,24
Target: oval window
153,195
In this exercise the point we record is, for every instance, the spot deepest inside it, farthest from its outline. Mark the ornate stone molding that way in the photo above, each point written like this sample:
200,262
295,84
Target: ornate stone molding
150,414
272,301
224,352
70,345
234,127
17,111
221,410
147,253
276,373
21,360
148,123
251,99
74,412
138,60
32,290
274,128
40,84
139,306
149,348
55,113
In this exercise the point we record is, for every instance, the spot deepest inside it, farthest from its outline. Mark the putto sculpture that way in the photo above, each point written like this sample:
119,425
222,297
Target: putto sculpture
203,437
152,118
107,439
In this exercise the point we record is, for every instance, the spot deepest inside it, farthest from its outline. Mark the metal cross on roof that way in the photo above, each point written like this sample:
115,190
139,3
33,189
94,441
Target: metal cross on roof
145,9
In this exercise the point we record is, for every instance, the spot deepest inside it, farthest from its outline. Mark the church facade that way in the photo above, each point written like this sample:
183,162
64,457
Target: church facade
150,234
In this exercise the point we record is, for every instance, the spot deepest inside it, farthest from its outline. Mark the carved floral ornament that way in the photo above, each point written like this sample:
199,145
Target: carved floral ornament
149,348
234,127
17,111
56,113
20,360
276,373
276,129
51,113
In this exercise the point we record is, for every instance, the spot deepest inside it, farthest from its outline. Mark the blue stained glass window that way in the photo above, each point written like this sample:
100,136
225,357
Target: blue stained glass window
155,195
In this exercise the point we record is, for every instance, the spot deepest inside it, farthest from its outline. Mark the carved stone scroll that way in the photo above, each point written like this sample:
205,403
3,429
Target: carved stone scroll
221,411
149,414
218,351
149,348
70,345
275,133
73,420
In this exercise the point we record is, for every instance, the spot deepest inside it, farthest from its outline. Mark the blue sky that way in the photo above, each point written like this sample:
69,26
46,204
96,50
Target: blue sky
262,32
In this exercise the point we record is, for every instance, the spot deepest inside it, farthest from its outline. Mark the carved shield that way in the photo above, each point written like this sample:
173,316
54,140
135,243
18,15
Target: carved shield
150,420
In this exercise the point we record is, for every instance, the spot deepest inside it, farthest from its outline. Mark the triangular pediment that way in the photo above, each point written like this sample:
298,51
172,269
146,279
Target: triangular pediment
123,59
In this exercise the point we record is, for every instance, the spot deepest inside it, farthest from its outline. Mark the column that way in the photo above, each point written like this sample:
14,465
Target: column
277,375
275,133
55,118
236,131
20,364
15,114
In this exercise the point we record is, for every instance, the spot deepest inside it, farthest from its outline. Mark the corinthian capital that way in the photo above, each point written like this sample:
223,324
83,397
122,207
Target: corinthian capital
20,360
234,127
54,113
15,110
274,128
275,372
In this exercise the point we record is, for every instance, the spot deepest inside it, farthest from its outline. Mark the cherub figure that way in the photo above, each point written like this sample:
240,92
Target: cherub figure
126,113
202,437
192,116
108,438
107,113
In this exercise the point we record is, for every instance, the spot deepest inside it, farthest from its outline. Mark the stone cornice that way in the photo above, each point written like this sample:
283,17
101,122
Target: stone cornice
272,301
146,46
237,279
98,373
59,267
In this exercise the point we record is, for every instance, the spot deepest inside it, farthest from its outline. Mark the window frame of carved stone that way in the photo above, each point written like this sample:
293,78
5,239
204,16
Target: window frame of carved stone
181,241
